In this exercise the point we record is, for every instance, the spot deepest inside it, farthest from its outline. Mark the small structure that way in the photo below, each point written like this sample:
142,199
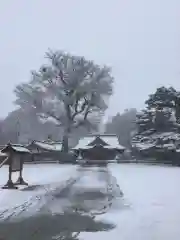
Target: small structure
15,159
46,151
3,156
99,147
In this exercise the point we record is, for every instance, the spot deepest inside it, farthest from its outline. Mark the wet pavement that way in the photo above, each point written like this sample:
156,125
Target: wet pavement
67,211
93,207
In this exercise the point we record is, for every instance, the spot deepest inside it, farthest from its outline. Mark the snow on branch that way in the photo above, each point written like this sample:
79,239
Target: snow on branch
68,90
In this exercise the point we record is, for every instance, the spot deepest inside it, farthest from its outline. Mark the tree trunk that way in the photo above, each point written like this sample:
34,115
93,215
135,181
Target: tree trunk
65,145
65,142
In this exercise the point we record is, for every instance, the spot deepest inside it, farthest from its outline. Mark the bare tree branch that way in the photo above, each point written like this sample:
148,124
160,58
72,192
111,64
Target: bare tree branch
82,107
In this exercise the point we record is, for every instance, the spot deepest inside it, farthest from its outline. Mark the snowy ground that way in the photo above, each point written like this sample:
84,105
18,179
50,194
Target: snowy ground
150,208
153,196
33,174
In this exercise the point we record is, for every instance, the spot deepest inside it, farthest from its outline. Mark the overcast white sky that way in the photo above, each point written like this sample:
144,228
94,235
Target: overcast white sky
138,38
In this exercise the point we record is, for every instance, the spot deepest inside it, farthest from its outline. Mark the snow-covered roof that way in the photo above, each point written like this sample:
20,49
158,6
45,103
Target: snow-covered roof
20,149
168,146
166,136
143,146
53,146
57,146
16,148
2,154
111,140
165,140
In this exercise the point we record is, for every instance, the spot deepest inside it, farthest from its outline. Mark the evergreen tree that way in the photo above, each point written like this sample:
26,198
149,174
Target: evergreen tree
144,120
158,127
163,97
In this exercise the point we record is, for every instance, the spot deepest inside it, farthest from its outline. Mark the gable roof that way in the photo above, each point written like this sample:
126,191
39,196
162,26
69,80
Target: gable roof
48,146
15,147
98,141
110,139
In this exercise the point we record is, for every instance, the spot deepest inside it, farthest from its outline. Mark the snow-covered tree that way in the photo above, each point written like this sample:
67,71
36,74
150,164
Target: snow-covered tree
123,125
69,90
160,111
144,120
163,97
177,107
158,125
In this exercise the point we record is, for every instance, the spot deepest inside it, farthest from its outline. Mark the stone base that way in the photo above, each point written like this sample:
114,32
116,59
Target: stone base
9,185
21,181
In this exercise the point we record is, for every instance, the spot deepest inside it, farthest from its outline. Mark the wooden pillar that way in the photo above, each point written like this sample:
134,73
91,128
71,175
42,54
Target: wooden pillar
20,180
80,155
10,184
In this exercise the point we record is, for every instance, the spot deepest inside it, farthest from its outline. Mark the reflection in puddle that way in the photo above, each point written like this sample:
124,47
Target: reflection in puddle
45,226
69,212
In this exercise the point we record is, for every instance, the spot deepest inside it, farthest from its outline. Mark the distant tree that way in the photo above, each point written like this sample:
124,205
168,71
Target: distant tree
7,134
113,125
71,91
3,136
123,125
32,128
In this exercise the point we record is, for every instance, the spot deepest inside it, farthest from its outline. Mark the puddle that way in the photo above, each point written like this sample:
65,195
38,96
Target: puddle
67,212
